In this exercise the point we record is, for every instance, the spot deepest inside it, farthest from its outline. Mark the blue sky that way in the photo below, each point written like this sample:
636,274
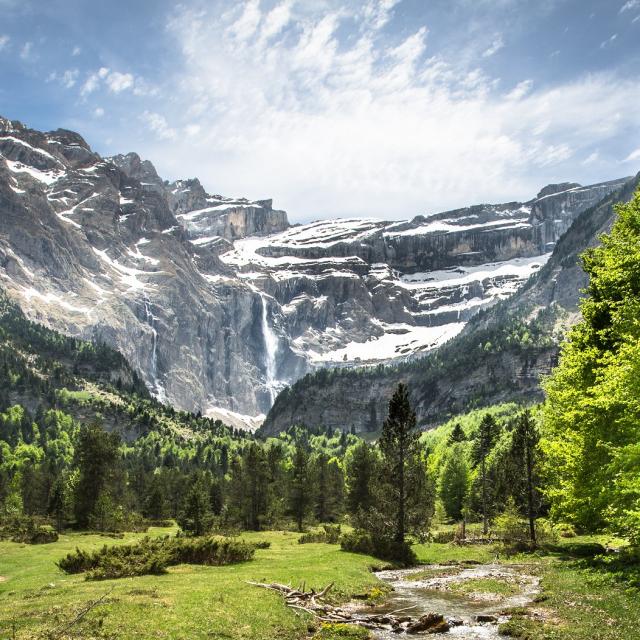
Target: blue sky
382,108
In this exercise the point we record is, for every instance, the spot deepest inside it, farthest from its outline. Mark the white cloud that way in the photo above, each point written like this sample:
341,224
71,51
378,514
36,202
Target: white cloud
609,41
377,13
631,4
114,81
76,51
494,47
159,125
69,78
25,52
520,90
364,124
4,41
633,156
592,158
98,112
118,82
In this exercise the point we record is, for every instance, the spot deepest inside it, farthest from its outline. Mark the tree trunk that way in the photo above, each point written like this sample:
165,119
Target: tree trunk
485,520
532,520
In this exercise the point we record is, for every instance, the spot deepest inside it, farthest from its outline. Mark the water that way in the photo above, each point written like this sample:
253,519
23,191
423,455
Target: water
270,350
158,388
416,598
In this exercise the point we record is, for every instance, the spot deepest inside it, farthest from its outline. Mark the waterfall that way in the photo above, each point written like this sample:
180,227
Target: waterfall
158,389
270,350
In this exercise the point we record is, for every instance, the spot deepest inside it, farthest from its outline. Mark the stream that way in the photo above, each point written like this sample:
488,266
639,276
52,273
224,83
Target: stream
431,592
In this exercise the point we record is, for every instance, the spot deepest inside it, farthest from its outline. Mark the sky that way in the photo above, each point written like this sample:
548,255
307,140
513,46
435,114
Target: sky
376,108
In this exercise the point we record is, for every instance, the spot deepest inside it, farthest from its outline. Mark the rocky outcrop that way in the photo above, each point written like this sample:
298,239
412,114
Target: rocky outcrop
501,355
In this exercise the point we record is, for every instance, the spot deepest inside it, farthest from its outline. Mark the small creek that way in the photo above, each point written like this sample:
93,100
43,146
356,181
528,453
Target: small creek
417,597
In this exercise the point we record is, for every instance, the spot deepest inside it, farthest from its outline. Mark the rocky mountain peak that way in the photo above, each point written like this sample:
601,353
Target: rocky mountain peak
550,189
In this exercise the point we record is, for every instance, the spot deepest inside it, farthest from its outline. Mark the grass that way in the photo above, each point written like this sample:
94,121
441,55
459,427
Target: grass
190,601
578,601
433,572
485,585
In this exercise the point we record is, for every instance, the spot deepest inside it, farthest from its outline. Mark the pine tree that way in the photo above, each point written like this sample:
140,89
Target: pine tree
524,446
453,485
457,434
360,466
195,516
486,437
299,489
403,473
96,455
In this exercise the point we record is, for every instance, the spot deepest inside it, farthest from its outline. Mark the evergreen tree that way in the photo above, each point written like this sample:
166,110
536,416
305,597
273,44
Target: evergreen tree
360,466
453,485
195,516
487,435
525,444
299,486
57,506
403,486
457,434
96,457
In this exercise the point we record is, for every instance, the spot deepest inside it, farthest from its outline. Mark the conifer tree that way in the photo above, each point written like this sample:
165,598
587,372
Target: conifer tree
486,438
299,488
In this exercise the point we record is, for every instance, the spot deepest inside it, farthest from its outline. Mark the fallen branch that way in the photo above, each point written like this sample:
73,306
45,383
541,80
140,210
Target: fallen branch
309,602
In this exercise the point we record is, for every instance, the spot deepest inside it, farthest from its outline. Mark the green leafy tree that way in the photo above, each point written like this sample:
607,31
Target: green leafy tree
592,412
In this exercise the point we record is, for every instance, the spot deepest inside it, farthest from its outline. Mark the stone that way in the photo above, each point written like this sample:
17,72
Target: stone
429,623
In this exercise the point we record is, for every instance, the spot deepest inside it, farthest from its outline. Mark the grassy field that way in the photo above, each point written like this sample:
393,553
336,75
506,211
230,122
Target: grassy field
37,600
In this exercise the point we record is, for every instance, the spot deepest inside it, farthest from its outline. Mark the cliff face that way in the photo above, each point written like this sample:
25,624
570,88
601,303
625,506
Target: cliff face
500,355
217,301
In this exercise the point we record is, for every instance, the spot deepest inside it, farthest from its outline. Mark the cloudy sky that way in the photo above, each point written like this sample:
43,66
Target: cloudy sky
384,108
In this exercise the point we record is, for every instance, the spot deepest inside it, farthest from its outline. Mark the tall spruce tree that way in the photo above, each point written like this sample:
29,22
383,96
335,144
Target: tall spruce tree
485,439
96,456
524,446
299,485
404,488
360,466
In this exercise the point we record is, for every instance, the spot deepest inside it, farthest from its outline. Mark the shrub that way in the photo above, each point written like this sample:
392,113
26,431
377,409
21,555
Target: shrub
154,555
329,534
383,548
443,537
261,544
27,530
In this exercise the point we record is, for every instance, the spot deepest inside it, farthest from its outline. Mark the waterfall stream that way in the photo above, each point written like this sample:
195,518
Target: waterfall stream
270,350
158,389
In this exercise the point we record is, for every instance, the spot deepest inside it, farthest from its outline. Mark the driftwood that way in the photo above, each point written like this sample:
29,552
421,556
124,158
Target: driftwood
311,602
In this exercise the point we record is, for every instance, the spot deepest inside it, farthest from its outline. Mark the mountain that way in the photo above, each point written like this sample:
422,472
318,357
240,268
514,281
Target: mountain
218,303
499,356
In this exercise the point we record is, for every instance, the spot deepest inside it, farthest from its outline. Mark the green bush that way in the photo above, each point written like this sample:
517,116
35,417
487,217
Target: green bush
154,555
329,534
261,544
383,548
27,530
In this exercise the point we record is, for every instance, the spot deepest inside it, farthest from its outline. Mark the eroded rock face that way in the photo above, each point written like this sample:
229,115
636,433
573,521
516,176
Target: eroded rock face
217,301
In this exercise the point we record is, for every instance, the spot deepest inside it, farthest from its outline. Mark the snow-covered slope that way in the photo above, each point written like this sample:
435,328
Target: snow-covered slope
217,301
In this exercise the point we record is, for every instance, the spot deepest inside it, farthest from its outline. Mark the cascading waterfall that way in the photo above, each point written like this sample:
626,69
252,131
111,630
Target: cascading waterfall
270,350
158,389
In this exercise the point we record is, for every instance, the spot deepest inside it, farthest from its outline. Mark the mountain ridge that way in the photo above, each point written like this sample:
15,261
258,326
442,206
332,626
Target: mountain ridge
219,302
